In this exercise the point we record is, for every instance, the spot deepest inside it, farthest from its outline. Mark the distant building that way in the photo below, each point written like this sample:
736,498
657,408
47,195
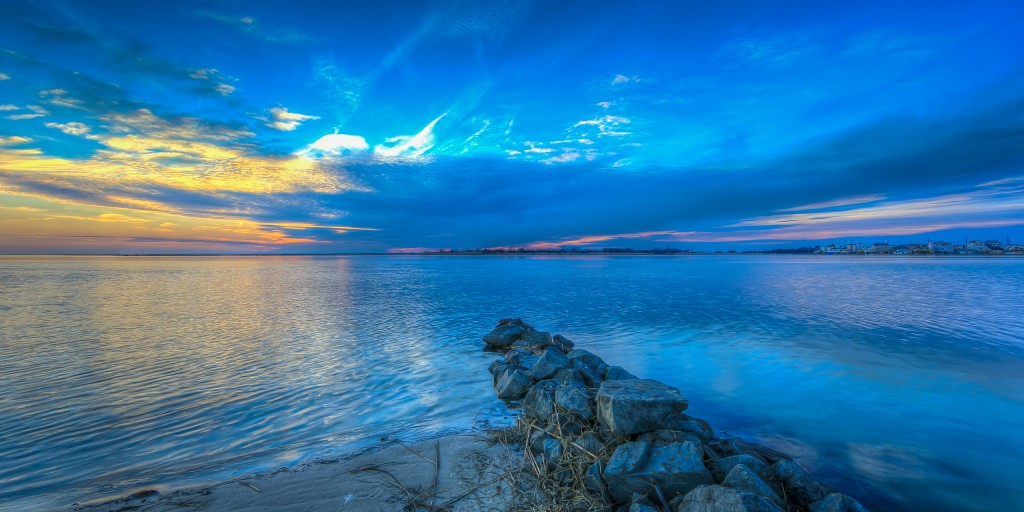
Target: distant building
940,247
882,248
977,247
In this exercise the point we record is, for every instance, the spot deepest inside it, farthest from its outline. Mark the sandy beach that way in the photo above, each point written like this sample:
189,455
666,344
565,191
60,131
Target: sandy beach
470,476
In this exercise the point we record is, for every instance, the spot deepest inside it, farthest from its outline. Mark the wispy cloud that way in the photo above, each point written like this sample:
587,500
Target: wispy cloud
37,111
4,76
72,128
283,120
252,27
771,51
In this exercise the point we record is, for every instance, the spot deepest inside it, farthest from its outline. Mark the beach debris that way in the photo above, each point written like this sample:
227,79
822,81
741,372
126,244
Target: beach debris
596,437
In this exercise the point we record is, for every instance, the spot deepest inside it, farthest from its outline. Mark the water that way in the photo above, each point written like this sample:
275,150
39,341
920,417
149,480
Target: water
897,380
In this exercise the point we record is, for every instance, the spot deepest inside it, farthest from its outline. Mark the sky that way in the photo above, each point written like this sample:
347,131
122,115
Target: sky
324,127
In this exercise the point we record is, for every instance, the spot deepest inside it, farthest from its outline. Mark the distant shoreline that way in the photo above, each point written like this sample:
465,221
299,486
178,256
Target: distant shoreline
516,253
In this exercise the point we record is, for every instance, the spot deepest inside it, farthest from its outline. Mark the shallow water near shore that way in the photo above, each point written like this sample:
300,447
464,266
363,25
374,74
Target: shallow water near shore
896,380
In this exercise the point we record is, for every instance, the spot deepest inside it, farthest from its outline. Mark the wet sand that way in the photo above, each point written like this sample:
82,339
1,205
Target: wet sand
471,476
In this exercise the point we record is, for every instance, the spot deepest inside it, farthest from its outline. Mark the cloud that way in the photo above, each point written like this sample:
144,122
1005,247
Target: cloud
72,128
250,26
283,120
224,89
336,144
4,76
13,140
846,201
770,51
409,147
8,107
623,79
37,111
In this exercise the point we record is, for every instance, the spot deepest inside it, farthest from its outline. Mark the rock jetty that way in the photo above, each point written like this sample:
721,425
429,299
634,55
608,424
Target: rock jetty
599,438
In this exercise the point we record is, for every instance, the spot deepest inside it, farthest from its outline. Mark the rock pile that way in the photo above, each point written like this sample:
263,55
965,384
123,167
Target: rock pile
627,441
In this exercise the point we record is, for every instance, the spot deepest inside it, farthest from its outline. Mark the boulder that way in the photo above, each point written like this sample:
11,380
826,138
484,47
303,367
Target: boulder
569,376
617,373
536,442
737,446
540,400
501,370
552,451
536,339
640,503
516,354
797,485
721,467
696,428
587,374
837,502
513,384
635,406
593,482
514,321
562,343
743,478
589,358
590,442
550,362
493,367
574,399
715,498
565,424
503,336
672,461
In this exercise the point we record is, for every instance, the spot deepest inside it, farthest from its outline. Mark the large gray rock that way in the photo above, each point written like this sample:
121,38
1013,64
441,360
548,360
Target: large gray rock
737,446
590,442
540,400
574,399
593,481
503,336
635,406
697,428
721,467
550,362
715,498
618,373
589,376
671,460
513,384
836,502
798,486
516,354
587,357
562,343
641,503
552,450
536,339
744,479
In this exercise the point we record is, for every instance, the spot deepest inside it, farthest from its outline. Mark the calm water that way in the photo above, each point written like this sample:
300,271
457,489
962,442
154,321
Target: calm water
897,380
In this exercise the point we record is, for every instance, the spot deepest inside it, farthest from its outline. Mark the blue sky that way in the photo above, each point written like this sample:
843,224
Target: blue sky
278,127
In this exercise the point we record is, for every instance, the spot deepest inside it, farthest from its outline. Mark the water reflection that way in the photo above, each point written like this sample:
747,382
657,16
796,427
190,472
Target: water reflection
880,374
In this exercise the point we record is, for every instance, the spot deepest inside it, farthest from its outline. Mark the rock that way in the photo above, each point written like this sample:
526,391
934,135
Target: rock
574,399
516,354
715,498
514,321
721,467
537,438
696,428
552,450
565,424
671,460
593,482
513,384
588,358
743,478
590,442
536,339
562,343
590,378
640,503
837,502
493,367
618,373
635,406
504,336
550,362
569,376
737,446
798,486
540,400
501,370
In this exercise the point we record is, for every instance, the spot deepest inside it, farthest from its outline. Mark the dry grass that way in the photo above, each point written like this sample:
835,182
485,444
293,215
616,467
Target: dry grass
540,488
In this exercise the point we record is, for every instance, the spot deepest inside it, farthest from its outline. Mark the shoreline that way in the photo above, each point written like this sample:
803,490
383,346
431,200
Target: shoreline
588,437
386,476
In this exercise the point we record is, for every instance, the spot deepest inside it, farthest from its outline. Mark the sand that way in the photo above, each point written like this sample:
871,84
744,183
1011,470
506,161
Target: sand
472,469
